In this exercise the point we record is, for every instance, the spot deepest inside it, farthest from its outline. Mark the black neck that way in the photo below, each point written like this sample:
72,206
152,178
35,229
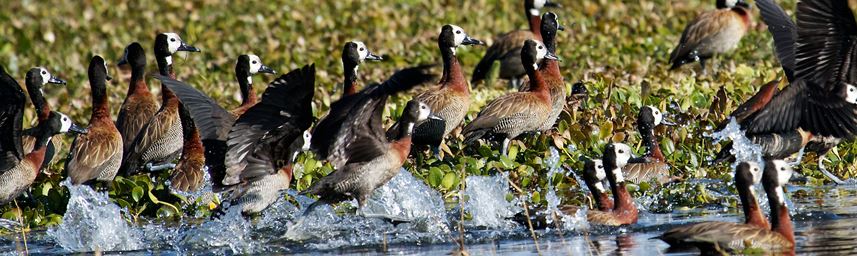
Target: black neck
164,68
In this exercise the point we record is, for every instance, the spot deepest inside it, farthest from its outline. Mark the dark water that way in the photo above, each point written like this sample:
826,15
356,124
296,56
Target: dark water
825,224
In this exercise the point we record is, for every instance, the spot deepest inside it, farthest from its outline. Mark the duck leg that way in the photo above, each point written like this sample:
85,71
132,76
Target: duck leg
160,167
505,148
829,175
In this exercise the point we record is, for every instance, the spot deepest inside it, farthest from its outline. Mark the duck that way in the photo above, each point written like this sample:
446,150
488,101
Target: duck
35,79
550,70
215,121
18,169
593,176
725,237
712,32
271,146
96,155
616,156
450,100
507,47
652,166
510,115
373,160
354,53
247,66
819,90
329,137
140,104
160,141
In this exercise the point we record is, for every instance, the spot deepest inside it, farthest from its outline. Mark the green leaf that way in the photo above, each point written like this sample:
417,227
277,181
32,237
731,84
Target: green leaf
435,177
137,193
450,180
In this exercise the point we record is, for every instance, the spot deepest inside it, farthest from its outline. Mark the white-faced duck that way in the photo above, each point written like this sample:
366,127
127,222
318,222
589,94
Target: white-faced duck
214,124
353,54
160,140
372,159
512,114
652,166
36,78
716,237
451,99
18,169
330,136
267,147
550,70
507,47
247,66
96,156
624,212
712,32
140,104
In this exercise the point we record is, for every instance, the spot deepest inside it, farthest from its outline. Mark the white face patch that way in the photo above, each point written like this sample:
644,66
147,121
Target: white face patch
65,122
851,93
362,51
600,173
784,172
46,76
541,52
623,154
458,34
538,4
173,42
659,117
255,64
731,3
307,137
755,172
618,174
424,111
169,60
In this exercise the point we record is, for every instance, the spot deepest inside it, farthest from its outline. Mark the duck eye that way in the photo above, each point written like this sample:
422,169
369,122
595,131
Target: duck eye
540,47
44,72
458,32
254,62
172,39
600,166
362,49
621,151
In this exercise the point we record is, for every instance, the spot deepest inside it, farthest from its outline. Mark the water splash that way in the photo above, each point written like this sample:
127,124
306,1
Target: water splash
93,223
403,198
487,203
230,230
742,147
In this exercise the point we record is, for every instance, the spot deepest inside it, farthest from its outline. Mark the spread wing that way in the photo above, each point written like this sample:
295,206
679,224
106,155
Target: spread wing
281,116
210,118
826,37
328,139
784,31
11,121
504,44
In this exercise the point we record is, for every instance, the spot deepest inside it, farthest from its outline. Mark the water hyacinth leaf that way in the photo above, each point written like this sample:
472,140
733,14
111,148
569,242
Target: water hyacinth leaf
450,180
137,193
435,176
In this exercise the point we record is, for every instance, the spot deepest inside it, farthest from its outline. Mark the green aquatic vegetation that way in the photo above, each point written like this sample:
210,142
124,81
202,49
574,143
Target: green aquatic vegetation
617,49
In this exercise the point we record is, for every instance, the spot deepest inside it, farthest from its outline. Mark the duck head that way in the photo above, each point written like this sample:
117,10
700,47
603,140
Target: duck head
166,44
97,70
61,123
133,56
452,36
776,175
533,52
549,27
41,76
355,52
748,173
250,64
849,93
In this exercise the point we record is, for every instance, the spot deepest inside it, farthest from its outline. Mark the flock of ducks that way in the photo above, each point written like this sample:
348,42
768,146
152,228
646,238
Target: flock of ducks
250,151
